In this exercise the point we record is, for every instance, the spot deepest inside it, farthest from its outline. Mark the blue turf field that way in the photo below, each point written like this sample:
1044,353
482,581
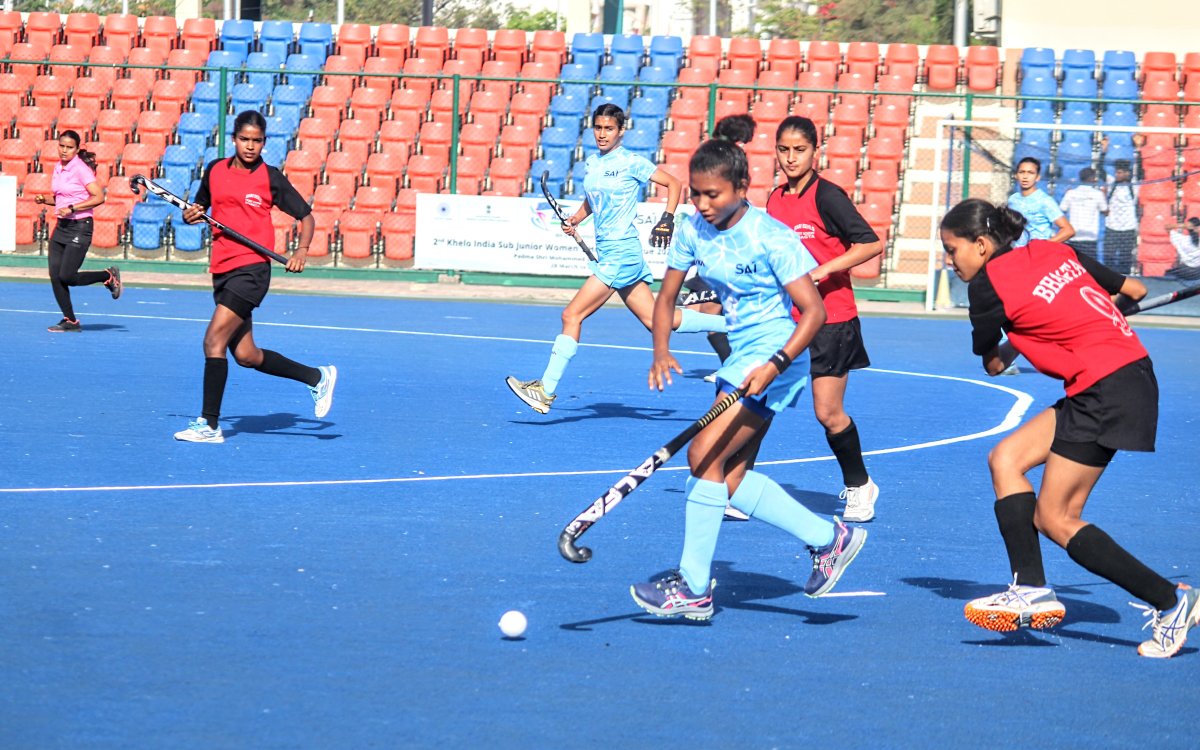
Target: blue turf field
336,583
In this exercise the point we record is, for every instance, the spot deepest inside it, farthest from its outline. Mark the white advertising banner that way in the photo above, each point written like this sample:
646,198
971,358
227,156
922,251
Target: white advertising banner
514,235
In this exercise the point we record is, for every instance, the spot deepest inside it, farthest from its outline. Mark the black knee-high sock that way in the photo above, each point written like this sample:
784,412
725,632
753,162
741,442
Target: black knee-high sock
1098,553
1014,515
280,366
848,450
216,372
719,341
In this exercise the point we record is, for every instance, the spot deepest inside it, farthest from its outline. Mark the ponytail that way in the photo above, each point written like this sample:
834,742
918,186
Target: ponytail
88,158
975,218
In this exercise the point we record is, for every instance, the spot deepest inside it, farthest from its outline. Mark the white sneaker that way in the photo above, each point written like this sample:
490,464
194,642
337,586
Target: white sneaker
733,514
1019,607
711,377
322,392
198,431
532,393
860,502
1169,629
1011,370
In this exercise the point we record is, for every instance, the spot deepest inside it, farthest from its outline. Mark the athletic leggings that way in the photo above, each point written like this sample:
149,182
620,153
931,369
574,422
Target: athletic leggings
68,246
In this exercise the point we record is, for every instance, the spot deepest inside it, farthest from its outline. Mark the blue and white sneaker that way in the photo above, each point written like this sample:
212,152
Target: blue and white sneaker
670,596
1169,629
198,431
1035,607
830,561
322,392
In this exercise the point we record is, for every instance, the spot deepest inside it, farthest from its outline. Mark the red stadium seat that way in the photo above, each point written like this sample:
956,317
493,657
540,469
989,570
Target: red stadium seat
331,198
392,41
154,127
357,136
441,106
343,168
145,56
323,221
510,45
435,140
42,28
33,123
843,152
357,229
398,230
533,70
425,172
507,176
139,158
471,45
398,135
902,59
863,58
784,55
549,46
199,35
983,68
941,67
115,125
704,51
823,57
342,66
316,134
421,66
410,100
170,95
374,198
369,104
129,94
121,31
1159,62
109,219
1160,86
74,118
850,83
885,153
386,168
328,103
433,43
354,41
160,33
745,53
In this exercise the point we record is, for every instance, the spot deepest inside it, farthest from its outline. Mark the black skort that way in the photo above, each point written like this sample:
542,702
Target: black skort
1119,412
837,349
242,289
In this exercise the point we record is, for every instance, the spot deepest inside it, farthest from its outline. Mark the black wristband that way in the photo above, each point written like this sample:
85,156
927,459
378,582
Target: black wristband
781,360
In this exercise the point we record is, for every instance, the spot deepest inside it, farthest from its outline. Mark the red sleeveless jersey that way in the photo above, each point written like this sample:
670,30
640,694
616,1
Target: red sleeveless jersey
241,200
810,214
1061,319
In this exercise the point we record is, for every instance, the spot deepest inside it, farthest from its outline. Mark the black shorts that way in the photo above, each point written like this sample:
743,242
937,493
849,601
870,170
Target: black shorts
1120,412
837,349
243,288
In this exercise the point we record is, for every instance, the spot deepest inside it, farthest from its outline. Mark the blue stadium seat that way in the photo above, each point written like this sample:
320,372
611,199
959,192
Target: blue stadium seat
225,58
276,37
578,169
290,101
598,99
657,74
1119,86
1120,146
195,129
1078,86
647,113
263,61
558,144
316,39
1035,143
188,237
1037,57
627,50
642,141
303,70
1080,62
1037,111
567,111
617,73
1075,145
179,162
1078,113
275,150
237,36
588,50
146,223
666,52
1119,116
556,180
207,99
278,127
1119,62
1039,84
250,96
577,72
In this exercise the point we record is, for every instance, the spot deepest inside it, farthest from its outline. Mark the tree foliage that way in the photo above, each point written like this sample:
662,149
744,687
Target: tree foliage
884,21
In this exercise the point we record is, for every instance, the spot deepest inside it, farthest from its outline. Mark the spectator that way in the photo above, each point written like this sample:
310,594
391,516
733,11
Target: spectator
1120,228
1042,214
1083,205
1186,239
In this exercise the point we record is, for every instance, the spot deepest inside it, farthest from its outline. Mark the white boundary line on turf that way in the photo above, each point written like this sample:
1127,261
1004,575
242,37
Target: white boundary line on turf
1011,420
852,593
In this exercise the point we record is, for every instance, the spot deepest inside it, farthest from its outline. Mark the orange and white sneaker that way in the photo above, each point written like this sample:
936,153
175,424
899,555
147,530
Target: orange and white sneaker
1019,607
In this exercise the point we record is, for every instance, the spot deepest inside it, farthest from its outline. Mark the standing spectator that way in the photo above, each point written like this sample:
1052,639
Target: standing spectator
76,193
1186,239
1120,228
1044,220
1083,205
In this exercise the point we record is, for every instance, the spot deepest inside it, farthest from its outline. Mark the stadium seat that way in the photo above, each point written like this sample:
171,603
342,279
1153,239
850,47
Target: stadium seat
109,221
399,134
616,81
276,38
315,39
527,109
627,50
303,168
880,185
1079,86
666,51
357,229
849,84
902,59
885,153
197,34
418,71
386,169
850,119
517,141
154,127
1119,62
344,169
374,197
354,41
392,41
160,33
509,45
323,223
433,43
357,136
1118,85
549,46
249,96
983,68
1038,60
1079,62
369,104
823,57
121,31
115,125
862,58
316,134
843,152
303,70
784,55
341,73
237,36
424,173
507,176
1159,62
704,51
736,77
42,28
147,224
745,53
809,80
1078,113
1160,86
397,233
533,70
941,67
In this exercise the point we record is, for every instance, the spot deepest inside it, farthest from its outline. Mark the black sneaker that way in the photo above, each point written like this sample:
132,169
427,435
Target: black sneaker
114,281
65,325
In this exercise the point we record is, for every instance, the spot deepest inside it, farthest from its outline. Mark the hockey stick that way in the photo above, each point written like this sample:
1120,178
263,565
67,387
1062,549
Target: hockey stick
562,217
138,181
630,482
696,298
1149,303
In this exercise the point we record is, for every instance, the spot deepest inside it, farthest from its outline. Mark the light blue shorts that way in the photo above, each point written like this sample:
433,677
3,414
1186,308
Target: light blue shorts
783,391
621,264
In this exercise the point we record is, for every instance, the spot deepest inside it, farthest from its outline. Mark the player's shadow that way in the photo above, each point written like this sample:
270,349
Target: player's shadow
90,327
735,590
821,503
605,410
279,424
699,373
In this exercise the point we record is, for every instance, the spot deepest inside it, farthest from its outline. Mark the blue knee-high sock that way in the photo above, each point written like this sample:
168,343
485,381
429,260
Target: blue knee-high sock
702,522
564,348
759,496
695,322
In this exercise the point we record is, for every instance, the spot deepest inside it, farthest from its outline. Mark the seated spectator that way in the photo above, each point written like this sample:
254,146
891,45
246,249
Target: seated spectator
1186,239
1083,206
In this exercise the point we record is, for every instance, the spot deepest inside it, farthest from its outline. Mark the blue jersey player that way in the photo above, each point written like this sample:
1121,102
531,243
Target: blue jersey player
760,269
613,182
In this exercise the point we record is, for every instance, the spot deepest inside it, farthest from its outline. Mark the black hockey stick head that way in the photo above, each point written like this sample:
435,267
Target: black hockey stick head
567,548
136,183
